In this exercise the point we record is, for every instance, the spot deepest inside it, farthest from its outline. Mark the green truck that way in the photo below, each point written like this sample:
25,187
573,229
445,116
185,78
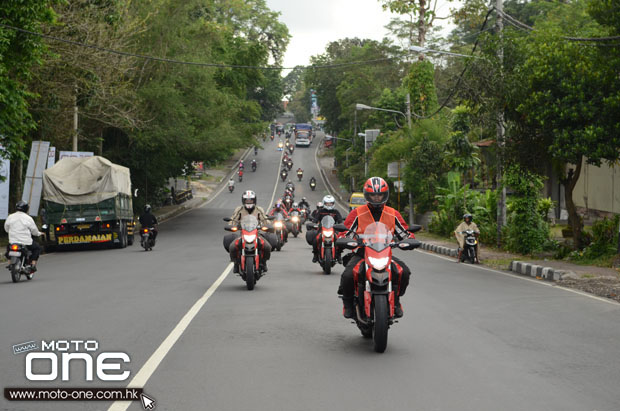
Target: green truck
88,201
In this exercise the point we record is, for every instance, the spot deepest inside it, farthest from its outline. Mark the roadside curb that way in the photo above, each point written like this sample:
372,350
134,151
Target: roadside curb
518,267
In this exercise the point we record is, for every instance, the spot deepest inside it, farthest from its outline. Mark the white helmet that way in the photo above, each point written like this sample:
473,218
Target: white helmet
248,198
329,202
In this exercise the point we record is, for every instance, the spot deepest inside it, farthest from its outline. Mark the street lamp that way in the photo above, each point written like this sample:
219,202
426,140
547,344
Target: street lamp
359,106
418,49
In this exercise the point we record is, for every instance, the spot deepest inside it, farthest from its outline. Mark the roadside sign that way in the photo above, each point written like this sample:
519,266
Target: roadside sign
392,171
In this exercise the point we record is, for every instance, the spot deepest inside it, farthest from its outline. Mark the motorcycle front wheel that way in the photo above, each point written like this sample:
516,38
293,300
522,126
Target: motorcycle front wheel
327,262
250,278
381,323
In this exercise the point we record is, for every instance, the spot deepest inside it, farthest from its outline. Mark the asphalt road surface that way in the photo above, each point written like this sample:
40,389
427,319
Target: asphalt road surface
471,339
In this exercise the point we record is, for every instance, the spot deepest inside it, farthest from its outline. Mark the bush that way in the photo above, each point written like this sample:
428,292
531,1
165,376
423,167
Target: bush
527,231
603,240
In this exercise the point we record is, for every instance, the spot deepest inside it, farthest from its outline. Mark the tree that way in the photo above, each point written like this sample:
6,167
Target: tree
19,52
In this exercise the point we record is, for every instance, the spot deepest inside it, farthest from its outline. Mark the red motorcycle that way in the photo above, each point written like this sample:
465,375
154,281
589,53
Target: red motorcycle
325,242
250,264
374,296
240,175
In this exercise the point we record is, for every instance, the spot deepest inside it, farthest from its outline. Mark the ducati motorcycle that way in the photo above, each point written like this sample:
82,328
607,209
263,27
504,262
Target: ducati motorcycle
250,261
295,219
374,296
279,229
325,243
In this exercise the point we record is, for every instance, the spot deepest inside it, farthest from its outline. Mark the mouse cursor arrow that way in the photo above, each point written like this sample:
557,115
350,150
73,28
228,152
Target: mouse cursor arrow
148,403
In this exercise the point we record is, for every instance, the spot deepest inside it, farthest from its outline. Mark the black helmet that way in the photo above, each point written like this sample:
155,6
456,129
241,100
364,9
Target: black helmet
147,208
22,206
466,216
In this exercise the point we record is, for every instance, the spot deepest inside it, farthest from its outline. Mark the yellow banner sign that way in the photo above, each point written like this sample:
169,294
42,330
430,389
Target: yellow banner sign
85,239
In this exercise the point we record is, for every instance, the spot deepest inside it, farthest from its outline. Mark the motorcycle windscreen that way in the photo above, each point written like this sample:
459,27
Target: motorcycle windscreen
249,223
377,236
328,221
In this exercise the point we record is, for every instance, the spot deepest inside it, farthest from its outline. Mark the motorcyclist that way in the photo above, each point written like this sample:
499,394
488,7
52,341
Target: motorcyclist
300,172
299,209
290,186
248,207
304,203
283,174
231,183
328,209
253,163
241,165
316,211
376,193
21,227
312,181
279,207
467,224
148,220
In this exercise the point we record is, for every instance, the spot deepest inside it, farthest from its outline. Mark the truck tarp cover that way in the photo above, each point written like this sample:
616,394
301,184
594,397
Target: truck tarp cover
88,180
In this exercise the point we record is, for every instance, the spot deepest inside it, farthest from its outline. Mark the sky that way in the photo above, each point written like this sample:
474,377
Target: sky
313,24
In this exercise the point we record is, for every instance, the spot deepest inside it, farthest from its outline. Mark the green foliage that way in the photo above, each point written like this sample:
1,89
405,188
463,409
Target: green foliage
420,83
544,207
604,241
18,53
526,231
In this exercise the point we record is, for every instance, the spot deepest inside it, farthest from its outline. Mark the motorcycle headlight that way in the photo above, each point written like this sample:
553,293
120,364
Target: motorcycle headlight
295,219
328,233
277,224
249,238
378,263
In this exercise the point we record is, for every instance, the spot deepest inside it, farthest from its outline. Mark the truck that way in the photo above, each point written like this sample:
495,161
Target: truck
88,201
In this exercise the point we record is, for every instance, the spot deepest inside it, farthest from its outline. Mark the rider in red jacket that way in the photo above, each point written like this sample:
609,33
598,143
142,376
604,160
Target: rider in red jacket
376,193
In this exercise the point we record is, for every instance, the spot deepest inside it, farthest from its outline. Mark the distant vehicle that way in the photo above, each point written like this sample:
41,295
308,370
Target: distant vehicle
302,138
304,127
356,200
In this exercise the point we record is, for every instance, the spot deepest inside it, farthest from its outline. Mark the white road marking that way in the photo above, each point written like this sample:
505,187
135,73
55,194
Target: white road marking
522,277
275,187
142,377
316,160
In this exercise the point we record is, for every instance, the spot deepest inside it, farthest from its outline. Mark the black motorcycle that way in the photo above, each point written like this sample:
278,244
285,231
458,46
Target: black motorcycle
283,175
253,166
147,240
469,249
312,185
300,175
280,230
289,165
19,262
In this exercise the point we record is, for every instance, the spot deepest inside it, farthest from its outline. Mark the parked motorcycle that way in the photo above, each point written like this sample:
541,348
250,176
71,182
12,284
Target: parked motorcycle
325,243
19,262
250,264
147,240
469,249
374,296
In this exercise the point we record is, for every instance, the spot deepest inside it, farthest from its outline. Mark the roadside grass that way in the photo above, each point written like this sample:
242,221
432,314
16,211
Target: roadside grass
602,261
498,263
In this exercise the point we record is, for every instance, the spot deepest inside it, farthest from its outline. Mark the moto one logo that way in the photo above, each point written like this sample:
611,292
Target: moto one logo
55,358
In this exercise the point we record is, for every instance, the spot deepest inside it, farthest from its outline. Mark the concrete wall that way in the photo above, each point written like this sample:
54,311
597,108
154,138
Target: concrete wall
598,188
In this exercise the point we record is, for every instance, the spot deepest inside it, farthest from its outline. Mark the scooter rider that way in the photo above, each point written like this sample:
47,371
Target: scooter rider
376,193
148,220
21,227
329,208
248,207
467,224
231,183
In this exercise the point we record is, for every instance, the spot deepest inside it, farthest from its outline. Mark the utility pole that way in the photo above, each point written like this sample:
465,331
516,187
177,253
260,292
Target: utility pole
75,121
501,202
409,124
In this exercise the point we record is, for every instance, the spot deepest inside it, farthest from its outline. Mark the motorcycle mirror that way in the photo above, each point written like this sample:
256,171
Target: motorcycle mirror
44,226
271,217
310,226
347,243
340,228
414,228
227,219
229,228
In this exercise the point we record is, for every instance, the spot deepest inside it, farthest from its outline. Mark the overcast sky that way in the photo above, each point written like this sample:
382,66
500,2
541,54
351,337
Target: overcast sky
314,23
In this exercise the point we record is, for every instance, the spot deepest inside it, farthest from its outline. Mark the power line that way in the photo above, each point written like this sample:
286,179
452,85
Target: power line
523,26
199,64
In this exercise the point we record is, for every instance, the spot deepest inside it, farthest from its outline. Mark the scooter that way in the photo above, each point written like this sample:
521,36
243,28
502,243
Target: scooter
147,238
19,262
469,249
374,296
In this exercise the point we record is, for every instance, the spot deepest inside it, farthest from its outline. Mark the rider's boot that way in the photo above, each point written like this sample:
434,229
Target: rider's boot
348,309
398,309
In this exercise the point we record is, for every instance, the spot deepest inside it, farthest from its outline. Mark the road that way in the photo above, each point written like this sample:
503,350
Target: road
471,339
